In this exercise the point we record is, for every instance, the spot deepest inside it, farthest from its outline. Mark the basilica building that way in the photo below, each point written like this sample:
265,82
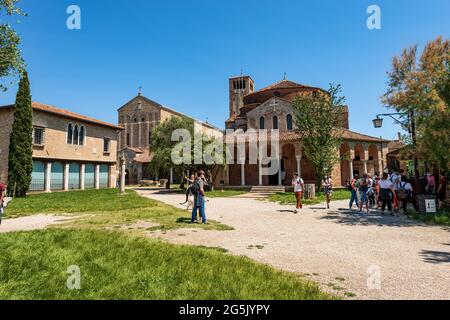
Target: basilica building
271,108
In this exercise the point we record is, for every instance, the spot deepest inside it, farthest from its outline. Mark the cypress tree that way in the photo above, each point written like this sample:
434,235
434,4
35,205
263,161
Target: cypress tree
20,163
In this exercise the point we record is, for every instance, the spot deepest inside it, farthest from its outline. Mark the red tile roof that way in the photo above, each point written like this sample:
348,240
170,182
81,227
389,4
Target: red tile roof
68,114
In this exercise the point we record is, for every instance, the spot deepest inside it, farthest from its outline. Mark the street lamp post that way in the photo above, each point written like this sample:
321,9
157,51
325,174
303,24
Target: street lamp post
411,125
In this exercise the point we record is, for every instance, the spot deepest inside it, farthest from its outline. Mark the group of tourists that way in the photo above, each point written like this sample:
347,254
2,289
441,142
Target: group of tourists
383,191
391,190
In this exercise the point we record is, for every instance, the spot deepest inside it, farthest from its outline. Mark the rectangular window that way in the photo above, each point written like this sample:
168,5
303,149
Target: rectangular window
38,136
106,145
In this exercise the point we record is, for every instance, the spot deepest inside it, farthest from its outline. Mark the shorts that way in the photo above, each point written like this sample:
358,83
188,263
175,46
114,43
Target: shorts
328,190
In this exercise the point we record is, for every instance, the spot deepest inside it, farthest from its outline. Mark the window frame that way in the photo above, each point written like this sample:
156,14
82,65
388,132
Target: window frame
107,142
42,136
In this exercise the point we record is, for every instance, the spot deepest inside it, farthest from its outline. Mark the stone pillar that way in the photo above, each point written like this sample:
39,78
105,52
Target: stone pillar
66,176
48,176
139,133
365,166
350,162
243,174
279,171
82,176
171,175
139,172
122,173
299,165
97,176
260,178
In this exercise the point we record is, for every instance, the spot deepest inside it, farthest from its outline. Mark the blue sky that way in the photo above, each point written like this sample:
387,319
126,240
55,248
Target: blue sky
182,52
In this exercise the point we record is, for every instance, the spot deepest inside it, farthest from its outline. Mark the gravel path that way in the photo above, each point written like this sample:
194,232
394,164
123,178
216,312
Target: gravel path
374,257
29,223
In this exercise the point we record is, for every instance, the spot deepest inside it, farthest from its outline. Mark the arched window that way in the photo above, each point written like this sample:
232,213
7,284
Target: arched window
275,123
82,135
143,119
289,122
149,137
70,134
128,140
262,123
75,134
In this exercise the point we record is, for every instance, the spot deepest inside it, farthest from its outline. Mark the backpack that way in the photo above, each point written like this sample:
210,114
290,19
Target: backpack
349,186
195,188
402,193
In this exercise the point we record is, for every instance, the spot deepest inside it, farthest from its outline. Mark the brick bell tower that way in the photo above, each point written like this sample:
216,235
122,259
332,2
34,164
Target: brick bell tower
239,87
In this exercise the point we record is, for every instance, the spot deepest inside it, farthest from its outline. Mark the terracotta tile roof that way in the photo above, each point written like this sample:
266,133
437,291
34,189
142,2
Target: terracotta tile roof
66,113
286,136
284,84
72,115
145,157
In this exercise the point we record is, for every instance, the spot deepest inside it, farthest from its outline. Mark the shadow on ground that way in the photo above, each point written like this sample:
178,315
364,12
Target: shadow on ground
355,218
431,256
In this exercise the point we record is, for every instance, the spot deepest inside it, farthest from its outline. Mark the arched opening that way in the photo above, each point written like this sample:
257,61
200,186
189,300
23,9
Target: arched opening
275,123
288,164
289,122
262,123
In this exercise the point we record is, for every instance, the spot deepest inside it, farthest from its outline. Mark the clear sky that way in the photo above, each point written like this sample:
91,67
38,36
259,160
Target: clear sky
182,52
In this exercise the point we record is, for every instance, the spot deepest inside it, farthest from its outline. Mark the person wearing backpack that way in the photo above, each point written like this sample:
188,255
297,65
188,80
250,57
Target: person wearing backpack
299,186
353,189
199,197
404,193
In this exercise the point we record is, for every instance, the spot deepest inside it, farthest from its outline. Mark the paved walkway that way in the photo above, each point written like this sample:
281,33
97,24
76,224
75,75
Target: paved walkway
29,223
399,258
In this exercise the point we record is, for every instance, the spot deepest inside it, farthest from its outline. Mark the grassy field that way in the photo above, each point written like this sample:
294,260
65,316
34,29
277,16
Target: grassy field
118,263
289,198
33,265
106,208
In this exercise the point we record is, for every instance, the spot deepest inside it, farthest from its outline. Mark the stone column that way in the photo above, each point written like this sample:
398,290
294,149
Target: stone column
66,176
350,162
299,165
122,174
48,176
243,174
365,166
260,178
82,176
139,172
97,176
279,171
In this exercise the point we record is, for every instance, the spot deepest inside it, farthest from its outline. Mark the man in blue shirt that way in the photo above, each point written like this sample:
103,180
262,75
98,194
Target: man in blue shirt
199,196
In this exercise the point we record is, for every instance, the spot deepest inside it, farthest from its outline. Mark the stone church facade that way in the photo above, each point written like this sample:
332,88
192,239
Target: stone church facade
139,117
271,108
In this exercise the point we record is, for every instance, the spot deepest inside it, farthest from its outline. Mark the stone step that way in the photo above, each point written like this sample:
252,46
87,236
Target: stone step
267,189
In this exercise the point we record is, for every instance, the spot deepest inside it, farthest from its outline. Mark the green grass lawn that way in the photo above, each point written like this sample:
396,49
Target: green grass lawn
33,265
289,197
442,217
106,208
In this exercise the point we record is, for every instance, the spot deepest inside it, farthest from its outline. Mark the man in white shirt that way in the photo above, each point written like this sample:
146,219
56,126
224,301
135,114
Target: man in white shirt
299,186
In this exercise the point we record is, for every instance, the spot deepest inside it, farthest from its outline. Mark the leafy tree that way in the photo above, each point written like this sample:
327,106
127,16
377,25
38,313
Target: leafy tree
419,86
11,62
162,145
318,116
20,162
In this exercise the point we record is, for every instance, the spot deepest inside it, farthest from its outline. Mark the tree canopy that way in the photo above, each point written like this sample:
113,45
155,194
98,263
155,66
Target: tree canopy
11,61
419,85
317,116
